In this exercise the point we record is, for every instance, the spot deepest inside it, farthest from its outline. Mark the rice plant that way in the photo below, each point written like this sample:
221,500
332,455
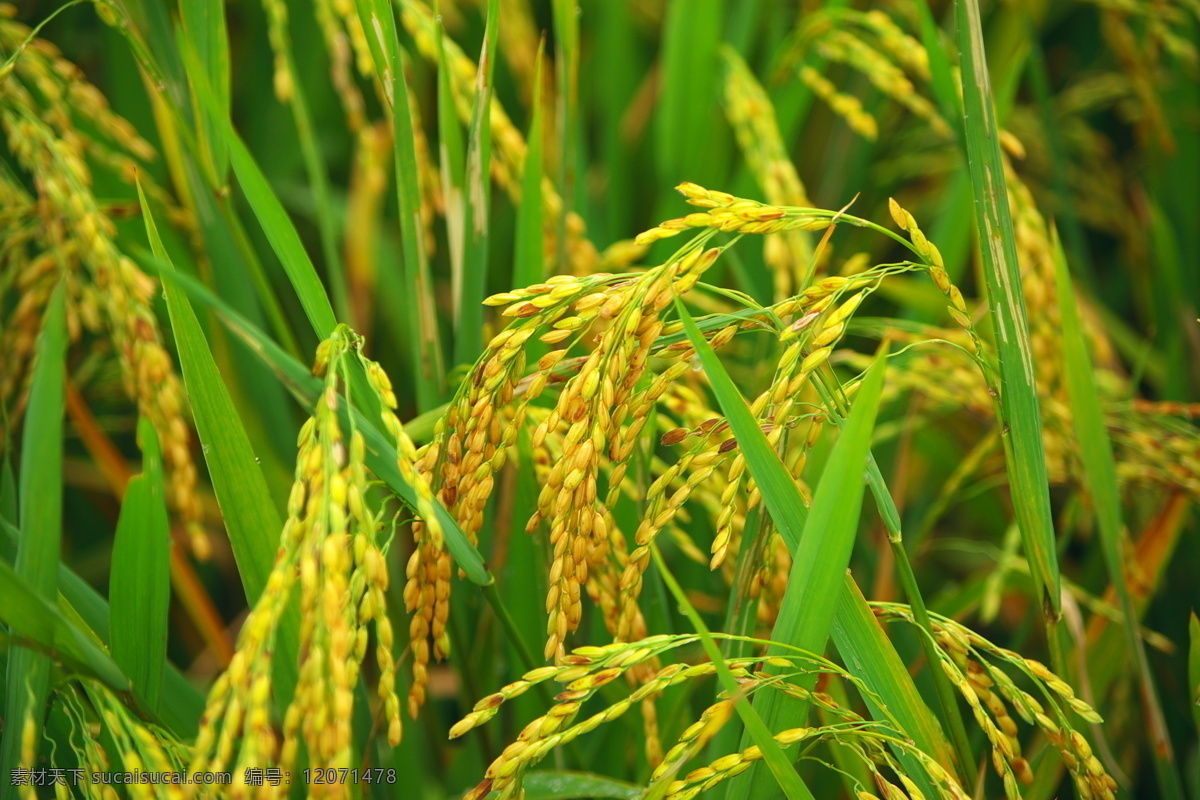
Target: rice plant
602,399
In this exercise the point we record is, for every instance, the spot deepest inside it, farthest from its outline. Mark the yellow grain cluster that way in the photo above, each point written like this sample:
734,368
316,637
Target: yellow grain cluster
734,215
932,257
1035,252
1153,446
1146,41
693,739
588,434
471,442
941,371
29,747
520,33
583,672
842,46
872,44
688,407
1157,449
726,767
590,431
330,551
869,742
592,406
820,315
139,747
973,665
846,106
769,583
277,34
427,590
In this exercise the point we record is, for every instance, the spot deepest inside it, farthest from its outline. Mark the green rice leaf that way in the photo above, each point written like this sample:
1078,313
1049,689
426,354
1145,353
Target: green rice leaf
778,489
140,578
1194,667
552,785
279,230
890,516
34,623
315,167
868,654
473,286
203,26
39,490
1100,477
692,32
250,515
529,261
452,161
28,586
523,582
421,327
8,487
251,519
1017,406
615,83
566,63
820,544
941,77
182,704
820,560
428,368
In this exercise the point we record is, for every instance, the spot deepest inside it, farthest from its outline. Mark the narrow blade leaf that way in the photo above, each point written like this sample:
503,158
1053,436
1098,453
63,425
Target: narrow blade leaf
37,622
31,581
140,580
478,207
1017,406
529,263
778,489
1100,476
203,24
820,561
547,785
756,729
279,230
251,519
821,544
869,654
